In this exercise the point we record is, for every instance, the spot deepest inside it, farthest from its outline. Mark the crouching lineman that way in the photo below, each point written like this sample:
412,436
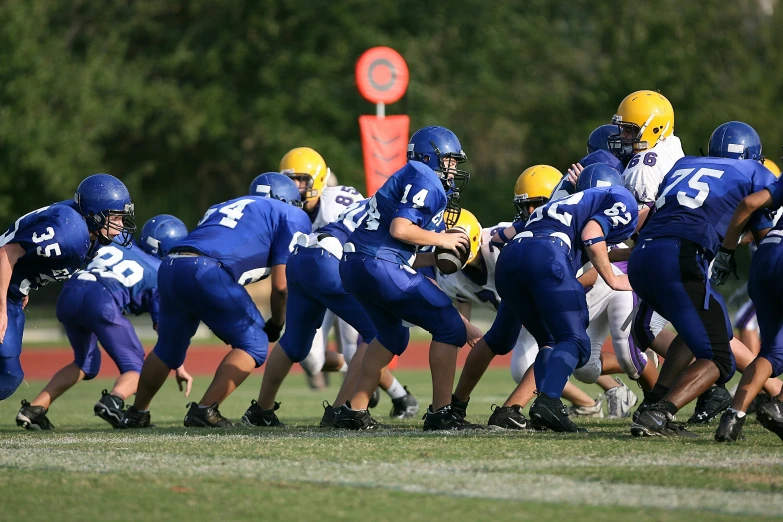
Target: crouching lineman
765,287
92,308
237,242
668,268
378,268
50,244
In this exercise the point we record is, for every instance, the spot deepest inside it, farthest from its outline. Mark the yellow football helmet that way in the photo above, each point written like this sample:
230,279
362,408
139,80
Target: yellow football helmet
644,118
468,222
534,187
772,167
305,164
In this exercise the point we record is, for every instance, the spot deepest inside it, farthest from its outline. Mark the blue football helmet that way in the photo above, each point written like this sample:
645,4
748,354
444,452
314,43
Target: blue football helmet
277,186
100,198
433,146
598,175
161,233
735,140
599,138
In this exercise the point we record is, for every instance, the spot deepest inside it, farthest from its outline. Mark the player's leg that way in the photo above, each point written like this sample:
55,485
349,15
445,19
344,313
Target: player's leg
747,327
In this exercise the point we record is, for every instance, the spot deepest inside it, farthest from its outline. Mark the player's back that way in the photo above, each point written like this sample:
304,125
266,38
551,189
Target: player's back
247,235
699,195
334,201
612,207
129,273
56,242
415,193
646,170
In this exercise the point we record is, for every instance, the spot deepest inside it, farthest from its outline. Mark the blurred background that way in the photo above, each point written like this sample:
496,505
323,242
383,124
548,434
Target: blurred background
187,101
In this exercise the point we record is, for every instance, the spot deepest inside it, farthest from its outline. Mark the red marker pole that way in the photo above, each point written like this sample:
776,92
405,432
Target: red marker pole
382,77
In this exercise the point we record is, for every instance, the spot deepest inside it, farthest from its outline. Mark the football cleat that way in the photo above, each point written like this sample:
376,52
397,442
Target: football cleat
458,407
730,427
547,413
507,418
347,419
205,417
330,413
133,418
33,418
258,416
405,407
760,400
375,398
771,417
649,400
620,400
709,404
110,408
445,419
596,410
658,423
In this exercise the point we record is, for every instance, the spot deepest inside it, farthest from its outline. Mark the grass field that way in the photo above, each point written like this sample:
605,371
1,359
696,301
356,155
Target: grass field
86,471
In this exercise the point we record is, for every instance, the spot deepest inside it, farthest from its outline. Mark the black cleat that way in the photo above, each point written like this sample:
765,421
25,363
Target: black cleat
760,400
133,418
458,407
33,418
445,419
347,419
709,404
110,408
507,418
658,423
404,407
205,417
771,417
327,421
258,416
730,427
547,413
649,399
375,398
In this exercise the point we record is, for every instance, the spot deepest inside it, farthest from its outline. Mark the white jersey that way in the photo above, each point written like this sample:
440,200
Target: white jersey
646,170
476,282
334,200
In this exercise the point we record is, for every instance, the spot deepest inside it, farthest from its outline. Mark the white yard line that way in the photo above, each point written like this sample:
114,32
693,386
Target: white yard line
507,480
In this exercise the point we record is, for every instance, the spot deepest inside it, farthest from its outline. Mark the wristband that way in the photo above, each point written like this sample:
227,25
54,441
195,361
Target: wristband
593,241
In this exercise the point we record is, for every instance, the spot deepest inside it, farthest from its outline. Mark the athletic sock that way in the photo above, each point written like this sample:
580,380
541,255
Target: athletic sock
659,391
343,368
739,413
396,391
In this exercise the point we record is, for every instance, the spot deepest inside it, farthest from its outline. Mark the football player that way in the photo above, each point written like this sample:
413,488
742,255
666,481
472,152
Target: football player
765,292
669,267
50,244
92,308
236,243
379,268
324,203
543,260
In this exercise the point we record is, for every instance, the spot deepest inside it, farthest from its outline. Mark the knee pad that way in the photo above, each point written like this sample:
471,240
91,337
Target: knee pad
523,357
299,347
396,340
258,353
590,372
724,360
11,376
641,331
775,358
452,331
313,363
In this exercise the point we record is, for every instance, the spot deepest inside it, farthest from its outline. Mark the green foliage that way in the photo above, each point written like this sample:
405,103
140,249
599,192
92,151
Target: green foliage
188,101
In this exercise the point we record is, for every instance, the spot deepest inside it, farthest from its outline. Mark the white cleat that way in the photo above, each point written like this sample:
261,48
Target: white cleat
620,401
596,410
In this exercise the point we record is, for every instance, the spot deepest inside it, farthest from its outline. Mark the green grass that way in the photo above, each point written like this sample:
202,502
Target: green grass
86,471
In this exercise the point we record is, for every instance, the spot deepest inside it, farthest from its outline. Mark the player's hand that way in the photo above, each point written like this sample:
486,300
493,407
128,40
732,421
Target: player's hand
620,284
474,334
574,172
25,300
459,243
184,380
723,265
272,331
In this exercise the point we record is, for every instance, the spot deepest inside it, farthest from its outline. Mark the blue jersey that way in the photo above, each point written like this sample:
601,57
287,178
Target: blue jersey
56,242
346,222
699,195
130,274
248,235
415,193
614,208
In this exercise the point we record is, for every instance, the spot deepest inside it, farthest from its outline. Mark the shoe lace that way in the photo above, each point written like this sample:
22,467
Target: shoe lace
613,400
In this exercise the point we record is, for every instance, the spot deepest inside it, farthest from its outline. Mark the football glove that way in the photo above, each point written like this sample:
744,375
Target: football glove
723,265
272,331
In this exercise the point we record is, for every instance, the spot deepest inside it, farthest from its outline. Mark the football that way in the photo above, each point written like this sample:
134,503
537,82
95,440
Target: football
447,261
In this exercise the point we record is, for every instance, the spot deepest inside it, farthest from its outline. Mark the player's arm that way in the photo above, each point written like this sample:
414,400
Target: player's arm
277,302
743,213
589,277
502,237
9,255
407,231
595,247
